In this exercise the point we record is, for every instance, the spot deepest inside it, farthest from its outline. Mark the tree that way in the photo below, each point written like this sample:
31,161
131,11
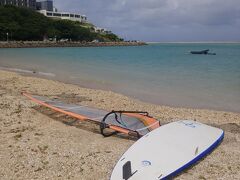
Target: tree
26,24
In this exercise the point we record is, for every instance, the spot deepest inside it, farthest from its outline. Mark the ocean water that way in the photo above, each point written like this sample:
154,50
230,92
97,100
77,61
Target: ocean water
164,73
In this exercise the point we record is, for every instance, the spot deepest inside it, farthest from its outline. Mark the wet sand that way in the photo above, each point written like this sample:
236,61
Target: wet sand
37,143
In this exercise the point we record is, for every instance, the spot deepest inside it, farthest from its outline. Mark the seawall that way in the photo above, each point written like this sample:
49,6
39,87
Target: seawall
42,44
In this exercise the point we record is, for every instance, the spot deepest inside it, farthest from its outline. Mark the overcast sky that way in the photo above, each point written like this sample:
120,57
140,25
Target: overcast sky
162,20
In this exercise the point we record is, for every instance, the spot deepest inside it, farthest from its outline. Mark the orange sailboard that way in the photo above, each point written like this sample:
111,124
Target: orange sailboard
132,123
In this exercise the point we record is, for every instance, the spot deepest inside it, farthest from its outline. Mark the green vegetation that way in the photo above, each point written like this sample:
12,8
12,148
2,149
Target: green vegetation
22,24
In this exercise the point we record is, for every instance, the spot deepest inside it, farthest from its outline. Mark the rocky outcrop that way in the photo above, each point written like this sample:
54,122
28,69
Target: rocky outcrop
41,44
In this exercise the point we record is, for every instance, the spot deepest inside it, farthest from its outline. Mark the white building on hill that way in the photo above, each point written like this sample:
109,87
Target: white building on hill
64,15
101,30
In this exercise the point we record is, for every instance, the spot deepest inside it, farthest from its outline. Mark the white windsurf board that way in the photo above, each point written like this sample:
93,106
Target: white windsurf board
167,151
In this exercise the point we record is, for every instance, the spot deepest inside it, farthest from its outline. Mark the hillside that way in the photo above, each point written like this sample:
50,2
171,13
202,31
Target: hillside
23,24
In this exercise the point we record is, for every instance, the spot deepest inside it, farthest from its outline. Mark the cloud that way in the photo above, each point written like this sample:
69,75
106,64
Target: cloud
162,19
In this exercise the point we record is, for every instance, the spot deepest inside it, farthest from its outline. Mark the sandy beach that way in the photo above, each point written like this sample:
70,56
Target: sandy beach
37,143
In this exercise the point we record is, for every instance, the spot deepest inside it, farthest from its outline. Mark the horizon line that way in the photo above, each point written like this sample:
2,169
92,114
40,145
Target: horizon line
192,42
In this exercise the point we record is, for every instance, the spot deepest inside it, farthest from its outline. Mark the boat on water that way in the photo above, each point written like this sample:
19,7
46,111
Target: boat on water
200,52
206,52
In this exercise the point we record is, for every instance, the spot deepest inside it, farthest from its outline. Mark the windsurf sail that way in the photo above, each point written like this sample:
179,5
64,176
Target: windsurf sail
132,123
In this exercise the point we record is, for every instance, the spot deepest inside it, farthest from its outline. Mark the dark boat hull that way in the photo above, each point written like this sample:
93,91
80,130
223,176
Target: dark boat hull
200,52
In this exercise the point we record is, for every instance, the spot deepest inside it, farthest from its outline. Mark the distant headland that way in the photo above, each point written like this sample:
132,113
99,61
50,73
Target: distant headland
22,27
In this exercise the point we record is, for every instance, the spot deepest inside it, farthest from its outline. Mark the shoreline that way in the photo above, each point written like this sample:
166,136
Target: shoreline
42,44
48,77
38,143
96,86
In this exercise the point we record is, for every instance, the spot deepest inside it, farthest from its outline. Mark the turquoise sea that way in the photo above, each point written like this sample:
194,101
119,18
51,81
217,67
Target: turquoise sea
163,73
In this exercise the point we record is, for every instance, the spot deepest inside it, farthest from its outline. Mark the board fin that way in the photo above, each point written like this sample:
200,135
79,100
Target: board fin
127,170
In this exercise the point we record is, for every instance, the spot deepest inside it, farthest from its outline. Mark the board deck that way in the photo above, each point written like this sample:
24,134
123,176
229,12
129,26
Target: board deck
167,151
